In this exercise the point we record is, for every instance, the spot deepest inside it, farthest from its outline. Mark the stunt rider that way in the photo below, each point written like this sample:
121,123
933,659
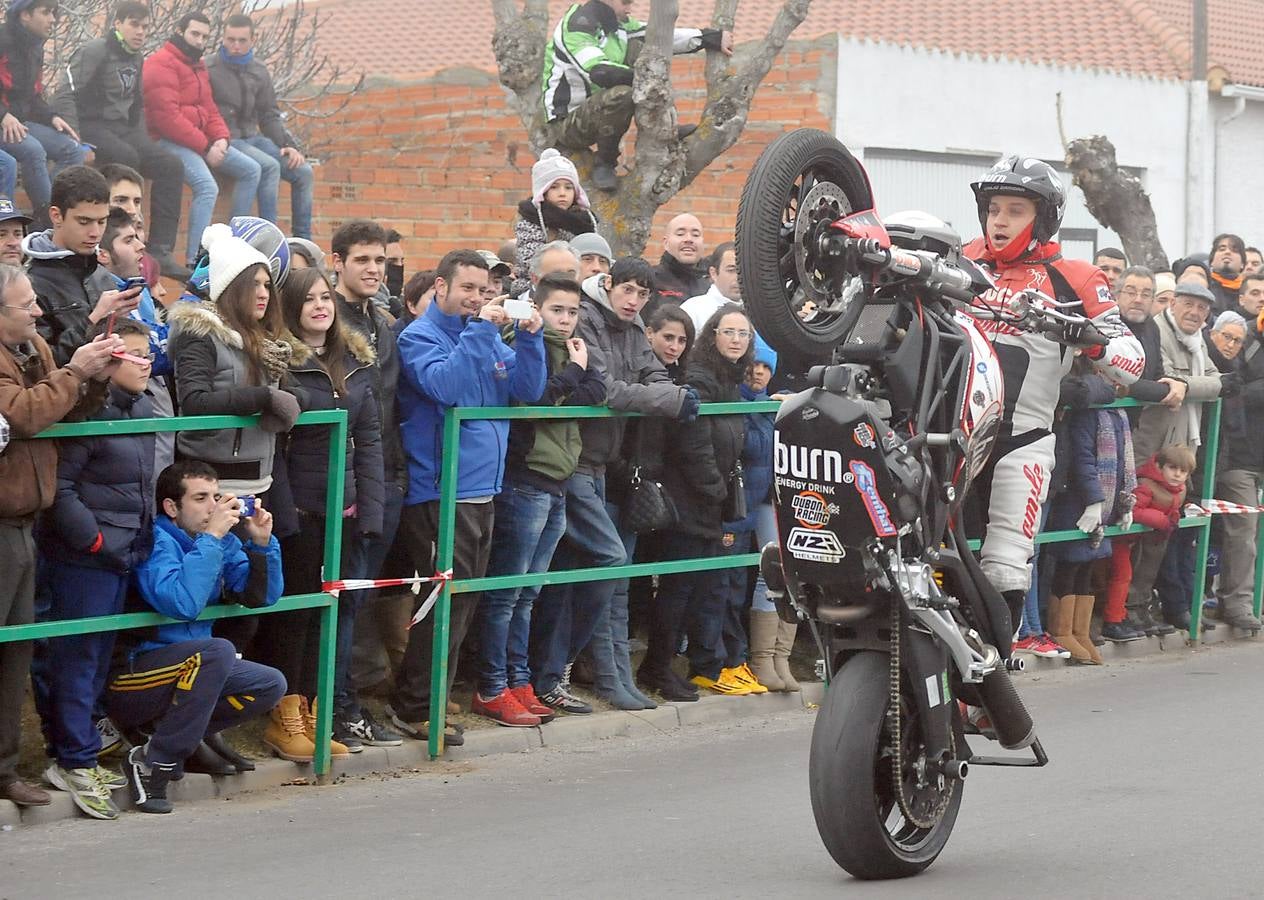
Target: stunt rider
1020,202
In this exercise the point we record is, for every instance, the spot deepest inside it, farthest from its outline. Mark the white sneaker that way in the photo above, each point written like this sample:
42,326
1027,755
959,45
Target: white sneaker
85,788
111,740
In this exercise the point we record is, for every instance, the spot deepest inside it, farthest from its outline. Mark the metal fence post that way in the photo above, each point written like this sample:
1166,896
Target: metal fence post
330,571
1212,451
442,611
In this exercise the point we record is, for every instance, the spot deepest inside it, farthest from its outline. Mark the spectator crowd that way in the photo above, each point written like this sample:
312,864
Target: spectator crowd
271,325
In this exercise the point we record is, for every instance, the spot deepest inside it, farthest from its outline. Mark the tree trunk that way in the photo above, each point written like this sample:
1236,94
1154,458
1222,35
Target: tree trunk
1116,199
661,165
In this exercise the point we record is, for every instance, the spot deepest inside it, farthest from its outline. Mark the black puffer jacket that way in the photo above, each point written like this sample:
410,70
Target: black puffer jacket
104,511
307,446
675,282
699,456
375,326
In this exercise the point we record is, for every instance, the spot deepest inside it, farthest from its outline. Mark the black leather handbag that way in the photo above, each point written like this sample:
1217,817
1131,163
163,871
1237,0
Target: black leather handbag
646,506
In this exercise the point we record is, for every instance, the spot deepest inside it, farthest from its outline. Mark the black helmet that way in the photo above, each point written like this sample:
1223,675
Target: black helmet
1017,176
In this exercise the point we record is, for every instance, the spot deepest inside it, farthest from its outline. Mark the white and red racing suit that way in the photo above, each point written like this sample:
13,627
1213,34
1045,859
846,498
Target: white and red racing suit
1015,484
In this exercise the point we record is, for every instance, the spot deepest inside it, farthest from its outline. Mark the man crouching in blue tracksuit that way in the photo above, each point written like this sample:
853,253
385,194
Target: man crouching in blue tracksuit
177,678
453,355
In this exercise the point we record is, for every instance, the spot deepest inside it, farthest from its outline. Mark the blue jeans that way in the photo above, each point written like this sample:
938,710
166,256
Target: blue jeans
300,178
529,523
197,175
33,152
8,175
567,615
609,645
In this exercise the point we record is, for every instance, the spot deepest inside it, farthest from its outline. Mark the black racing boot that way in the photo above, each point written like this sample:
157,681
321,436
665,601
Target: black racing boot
205,761
603,171
217,743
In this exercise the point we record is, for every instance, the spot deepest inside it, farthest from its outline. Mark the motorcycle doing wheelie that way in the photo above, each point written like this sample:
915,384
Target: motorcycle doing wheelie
872,463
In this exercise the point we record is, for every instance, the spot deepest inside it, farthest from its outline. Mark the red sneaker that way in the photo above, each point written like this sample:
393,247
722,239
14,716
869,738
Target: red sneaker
504,709
525,695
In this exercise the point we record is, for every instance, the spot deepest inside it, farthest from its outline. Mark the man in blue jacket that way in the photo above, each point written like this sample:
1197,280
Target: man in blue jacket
453,355
188,684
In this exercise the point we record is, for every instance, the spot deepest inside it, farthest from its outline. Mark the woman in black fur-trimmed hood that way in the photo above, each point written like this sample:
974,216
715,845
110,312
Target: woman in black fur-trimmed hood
698,468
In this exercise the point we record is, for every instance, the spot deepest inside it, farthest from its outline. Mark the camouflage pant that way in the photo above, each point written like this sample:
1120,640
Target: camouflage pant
602,119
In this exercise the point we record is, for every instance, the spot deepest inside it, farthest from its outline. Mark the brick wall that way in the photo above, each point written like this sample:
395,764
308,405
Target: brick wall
445,161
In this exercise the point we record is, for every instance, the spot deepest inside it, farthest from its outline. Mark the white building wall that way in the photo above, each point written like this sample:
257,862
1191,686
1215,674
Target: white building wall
1239,160
971,110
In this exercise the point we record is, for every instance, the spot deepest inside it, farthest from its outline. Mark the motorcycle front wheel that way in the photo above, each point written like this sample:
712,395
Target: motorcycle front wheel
852,784
804,180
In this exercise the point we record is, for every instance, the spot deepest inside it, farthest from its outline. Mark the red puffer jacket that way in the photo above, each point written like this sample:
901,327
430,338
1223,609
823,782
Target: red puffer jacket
1159,501
179,105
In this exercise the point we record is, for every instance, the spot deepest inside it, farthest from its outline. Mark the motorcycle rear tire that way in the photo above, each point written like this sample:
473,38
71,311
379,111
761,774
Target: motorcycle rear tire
842,774
761,242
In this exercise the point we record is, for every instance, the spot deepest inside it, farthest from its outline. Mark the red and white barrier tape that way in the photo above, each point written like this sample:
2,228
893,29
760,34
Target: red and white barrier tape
366,584
1218,507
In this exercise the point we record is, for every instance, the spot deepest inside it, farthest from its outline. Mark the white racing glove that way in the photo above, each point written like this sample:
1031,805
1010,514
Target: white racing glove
1091,520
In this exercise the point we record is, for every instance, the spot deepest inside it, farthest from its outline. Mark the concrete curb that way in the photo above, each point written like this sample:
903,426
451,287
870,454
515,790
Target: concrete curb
479,743
563,732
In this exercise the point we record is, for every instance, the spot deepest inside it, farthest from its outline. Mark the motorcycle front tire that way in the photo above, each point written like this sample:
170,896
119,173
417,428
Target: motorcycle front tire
842,774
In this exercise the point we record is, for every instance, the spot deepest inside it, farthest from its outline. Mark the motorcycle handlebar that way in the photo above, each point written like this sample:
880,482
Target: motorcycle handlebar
939,276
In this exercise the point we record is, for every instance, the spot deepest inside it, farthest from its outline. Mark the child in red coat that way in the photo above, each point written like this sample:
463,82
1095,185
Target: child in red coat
1135,560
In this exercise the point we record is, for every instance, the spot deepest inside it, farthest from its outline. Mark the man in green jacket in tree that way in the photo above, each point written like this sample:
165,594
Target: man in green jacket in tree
588,77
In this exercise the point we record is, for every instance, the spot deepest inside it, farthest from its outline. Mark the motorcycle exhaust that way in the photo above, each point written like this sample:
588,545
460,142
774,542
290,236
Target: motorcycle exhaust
1014,727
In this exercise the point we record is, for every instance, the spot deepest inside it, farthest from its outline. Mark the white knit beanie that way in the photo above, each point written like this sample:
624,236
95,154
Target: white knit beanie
230,256
550,167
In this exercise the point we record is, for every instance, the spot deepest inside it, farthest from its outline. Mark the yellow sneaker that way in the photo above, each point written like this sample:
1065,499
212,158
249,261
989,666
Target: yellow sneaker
731,683
745,674
703,681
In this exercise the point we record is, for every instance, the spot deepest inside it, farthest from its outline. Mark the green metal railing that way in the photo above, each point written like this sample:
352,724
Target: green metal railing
447,515
326,603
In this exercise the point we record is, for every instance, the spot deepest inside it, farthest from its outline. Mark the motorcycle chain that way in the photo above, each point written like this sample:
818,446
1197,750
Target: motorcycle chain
897,756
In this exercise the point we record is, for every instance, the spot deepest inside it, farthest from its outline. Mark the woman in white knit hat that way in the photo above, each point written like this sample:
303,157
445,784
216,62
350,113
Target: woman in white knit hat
230,359
557,210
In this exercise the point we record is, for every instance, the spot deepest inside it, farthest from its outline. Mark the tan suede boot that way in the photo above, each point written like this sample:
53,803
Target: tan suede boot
781,654
336,750
1061,624
1083,620
763,638
285,733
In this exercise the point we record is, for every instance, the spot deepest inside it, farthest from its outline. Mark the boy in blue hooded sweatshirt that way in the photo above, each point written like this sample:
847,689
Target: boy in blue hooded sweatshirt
191,685
453,355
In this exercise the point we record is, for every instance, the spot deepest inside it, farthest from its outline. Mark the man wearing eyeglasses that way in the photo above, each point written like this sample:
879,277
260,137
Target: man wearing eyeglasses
34,394
1240,465
1134,295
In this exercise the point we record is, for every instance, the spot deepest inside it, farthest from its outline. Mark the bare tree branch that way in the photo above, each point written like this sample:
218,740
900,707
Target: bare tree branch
662,165
519,42
1116,199
729,97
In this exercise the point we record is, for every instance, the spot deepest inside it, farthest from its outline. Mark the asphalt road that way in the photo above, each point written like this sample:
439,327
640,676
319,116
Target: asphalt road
1154,790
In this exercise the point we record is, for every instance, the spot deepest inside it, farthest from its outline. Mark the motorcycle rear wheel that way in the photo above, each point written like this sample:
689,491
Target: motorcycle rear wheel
777,265
853,802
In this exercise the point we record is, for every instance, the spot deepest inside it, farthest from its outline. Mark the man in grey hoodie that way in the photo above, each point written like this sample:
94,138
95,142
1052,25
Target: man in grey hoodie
567,617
